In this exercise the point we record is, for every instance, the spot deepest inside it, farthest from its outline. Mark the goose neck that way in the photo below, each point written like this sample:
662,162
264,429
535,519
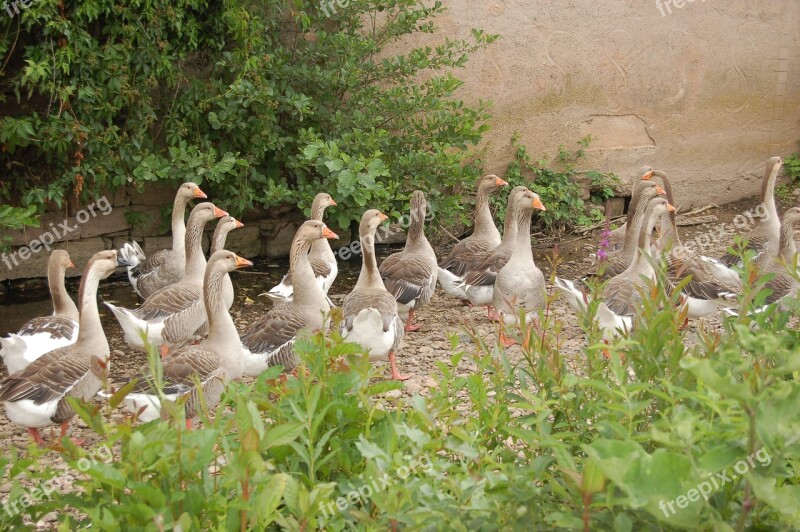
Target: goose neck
62,303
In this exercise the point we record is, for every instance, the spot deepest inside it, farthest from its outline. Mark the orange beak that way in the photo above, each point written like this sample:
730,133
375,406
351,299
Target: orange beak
327,233
384,217
660,191
239,224
333,203
71,264
537,204
219,213
647,176
199,193
500,183
670,208
242,263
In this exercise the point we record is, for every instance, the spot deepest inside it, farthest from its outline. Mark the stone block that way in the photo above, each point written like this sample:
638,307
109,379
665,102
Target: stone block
152,194
58,228
245,241
101,224
391,234
148,221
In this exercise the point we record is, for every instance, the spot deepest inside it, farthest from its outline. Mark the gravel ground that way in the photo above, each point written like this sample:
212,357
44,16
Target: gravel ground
421,351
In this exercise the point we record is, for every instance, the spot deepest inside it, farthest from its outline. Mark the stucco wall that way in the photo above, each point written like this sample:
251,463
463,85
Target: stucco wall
707,92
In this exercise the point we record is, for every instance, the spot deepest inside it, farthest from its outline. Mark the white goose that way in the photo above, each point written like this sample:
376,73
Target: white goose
370,311
37,396
270,340
321,257
172,315
149,274
42,335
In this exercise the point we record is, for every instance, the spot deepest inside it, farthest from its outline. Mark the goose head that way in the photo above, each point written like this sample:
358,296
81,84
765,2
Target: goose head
490,183
370,221
227,261
59,259
312,230
206,212
189,190
322,201
227,224
103,262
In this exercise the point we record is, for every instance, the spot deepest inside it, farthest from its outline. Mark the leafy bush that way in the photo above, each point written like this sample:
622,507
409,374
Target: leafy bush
641,433
266,103
561,189
791,167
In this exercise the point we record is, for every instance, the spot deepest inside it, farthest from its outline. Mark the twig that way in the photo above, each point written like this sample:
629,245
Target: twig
701,209
696,220
598,225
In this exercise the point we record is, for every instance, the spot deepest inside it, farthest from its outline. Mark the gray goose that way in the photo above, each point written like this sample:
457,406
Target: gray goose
763,238
172,315
321,257
475,247
520,283
270,340
41,335
410,275
705,292
478,283
37,396
619,261
370,311
784,284
225,225
621,297
617,237
165,267
212,363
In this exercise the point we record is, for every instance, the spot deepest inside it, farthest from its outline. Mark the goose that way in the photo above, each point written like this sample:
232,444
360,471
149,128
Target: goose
763,238
165,267
225,225
37,396
475,247
270,340
704,293
370,311
478,283
617,237
321,257
520,283
172,315
783,266
616,262
42,335
211,363
621,295
410,275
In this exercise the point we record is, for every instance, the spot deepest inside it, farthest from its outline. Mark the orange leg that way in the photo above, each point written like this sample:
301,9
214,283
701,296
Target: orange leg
75,441
395,374
164,351
491,314
410,326
189,424
36,436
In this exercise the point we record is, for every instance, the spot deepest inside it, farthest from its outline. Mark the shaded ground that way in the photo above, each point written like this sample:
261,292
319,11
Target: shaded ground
421,350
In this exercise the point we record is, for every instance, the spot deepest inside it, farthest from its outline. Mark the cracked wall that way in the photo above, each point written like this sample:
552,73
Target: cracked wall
707,93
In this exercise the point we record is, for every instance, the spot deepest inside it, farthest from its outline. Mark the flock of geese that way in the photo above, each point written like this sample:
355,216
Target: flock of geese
185,313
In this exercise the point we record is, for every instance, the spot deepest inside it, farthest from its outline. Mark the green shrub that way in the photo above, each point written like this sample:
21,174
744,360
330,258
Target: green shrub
626,436
265,103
